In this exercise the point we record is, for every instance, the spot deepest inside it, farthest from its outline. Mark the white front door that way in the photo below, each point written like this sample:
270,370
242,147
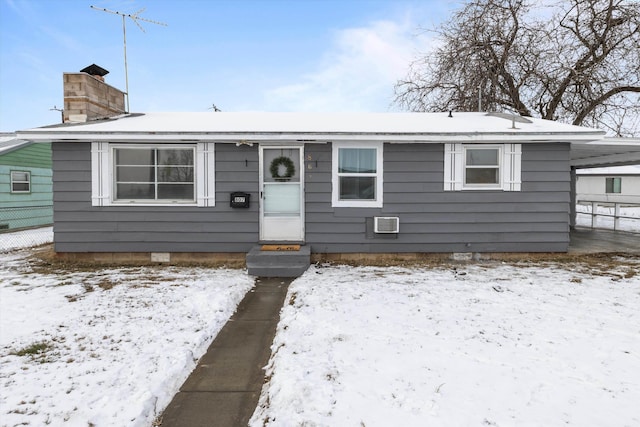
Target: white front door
281,194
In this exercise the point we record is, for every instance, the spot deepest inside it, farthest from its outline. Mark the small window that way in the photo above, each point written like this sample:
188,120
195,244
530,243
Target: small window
613,185
482,167
154,174
20,182
357,175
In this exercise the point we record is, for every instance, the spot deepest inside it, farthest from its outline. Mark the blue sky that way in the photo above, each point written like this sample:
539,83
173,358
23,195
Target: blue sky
242,55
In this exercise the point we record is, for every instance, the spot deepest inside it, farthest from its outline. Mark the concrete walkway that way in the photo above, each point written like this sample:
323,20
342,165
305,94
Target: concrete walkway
224,388
590,241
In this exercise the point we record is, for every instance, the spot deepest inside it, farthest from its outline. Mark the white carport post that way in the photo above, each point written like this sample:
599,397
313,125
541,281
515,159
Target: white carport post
573,199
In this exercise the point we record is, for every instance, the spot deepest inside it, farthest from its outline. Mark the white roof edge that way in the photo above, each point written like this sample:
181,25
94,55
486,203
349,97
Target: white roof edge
582,137
417,127
14,145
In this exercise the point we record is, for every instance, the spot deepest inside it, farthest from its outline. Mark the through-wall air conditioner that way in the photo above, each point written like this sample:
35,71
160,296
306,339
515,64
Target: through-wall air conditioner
386,224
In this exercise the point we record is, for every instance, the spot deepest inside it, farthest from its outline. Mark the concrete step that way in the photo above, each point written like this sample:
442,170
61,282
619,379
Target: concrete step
278,263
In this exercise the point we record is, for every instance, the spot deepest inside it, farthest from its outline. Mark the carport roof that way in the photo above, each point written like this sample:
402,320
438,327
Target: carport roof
608,152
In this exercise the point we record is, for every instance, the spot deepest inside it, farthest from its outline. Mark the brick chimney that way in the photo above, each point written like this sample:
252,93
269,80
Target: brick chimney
87,97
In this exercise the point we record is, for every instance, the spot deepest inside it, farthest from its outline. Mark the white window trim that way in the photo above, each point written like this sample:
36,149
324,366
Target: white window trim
102,176
510,161
512,167
205,174
14,181
335,182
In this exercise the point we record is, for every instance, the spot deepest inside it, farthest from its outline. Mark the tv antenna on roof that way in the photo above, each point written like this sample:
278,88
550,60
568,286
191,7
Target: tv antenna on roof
135,17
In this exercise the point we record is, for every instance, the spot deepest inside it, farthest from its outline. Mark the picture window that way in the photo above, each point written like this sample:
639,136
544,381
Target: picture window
154,174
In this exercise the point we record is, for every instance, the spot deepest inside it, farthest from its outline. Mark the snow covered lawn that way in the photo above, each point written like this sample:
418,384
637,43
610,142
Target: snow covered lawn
535,343
538,344
105,346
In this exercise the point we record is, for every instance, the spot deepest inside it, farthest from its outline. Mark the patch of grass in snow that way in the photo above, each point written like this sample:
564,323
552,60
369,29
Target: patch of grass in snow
292,298
596,261
33,349
72,298
37,351
106,284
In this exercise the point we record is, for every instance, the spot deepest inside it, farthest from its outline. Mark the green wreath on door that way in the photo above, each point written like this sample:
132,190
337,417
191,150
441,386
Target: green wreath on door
275,168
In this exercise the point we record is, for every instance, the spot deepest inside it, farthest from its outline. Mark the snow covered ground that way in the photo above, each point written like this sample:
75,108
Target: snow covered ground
482,344
105,347
492,343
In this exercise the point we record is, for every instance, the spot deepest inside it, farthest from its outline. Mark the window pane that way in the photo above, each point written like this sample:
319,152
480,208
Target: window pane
613,185
134,174
608,185
154,174
175,191
135,191
617,185
357,160
481,176
175,174
20,187
20,176
281,199
357,188
129,156
175,156
482,156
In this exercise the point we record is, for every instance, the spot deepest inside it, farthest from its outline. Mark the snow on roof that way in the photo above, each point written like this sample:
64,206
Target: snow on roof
419,127
616,170
9,142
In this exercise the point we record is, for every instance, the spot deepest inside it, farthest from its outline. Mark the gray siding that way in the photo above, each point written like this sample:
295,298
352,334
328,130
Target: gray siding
432,220
80,227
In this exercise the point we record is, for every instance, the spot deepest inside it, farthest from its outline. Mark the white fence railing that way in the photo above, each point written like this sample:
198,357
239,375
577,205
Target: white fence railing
614,216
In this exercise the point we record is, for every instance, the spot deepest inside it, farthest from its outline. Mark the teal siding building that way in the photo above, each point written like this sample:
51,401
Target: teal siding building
26,193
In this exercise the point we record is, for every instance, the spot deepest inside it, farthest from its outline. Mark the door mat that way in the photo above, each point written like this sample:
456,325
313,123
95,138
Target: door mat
284,248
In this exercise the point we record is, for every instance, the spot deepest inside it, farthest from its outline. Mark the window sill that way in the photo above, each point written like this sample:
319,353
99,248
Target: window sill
120,203
357,204
482,188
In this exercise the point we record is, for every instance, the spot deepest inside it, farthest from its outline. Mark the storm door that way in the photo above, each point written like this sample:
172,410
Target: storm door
281,194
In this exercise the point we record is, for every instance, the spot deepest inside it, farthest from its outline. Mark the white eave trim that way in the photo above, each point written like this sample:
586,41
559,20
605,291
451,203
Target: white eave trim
513,137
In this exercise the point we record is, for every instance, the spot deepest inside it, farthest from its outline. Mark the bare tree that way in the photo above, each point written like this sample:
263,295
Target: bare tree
576,61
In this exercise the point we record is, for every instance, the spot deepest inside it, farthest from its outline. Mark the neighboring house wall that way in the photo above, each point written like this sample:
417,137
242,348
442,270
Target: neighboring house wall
34,207
592,188
431,220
